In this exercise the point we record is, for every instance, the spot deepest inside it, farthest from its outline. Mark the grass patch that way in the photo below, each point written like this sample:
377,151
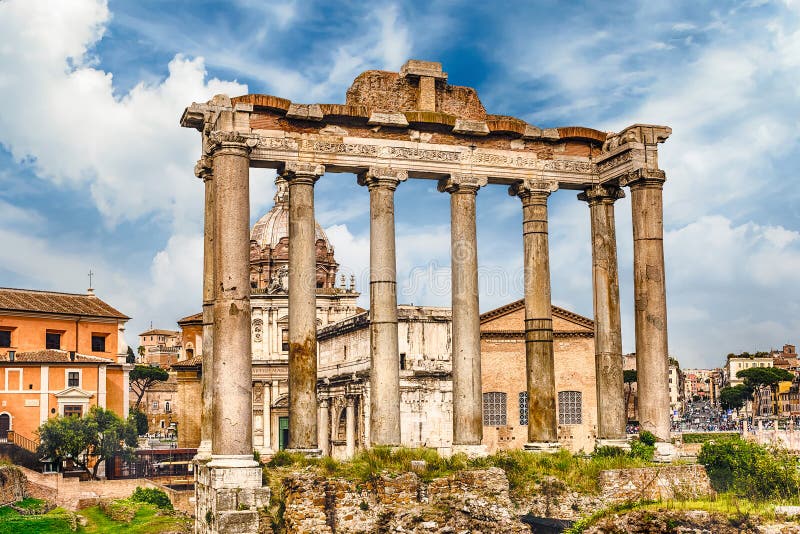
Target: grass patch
736,509
57,521
525,470
702,437
146,520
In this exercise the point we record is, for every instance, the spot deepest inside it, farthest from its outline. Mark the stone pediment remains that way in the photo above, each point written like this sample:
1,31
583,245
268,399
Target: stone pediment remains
414,121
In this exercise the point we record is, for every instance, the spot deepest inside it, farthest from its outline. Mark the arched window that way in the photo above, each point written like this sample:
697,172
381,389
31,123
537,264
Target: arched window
494,408
570,410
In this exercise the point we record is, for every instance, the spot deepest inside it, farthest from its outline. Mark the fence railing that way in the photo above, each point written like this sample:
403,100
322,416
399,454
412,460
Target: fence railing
19,440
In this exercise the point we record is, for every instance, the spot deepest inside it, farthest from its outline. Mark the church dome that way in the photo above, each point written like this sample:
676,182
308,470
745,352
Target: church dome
274,226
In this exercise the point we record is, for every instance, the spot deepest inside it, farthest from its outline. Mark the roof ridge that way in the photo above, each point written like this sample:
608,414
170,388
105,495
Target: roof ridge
46,291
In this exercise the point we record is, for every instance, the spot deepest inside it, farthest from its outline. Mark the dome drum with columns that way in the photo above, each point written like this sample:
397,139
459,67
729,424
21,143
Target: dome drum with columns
269,249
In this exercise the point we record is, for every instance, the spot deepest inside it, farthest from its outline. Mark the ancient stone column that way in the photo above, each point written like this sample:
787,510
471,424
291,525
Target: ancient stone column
232,403
350,428
466,349
652,360
542,422
302,306
611,416
203,171
385,366
324,427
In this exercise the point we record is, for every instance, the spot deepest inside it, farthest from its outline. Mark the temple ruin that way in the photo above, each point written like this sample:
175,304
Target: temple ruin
394,127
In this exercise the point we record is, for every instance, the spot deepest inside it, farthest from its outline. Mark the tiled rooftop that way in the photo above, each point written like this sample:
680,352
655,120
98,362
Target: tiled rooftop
29,300
52,356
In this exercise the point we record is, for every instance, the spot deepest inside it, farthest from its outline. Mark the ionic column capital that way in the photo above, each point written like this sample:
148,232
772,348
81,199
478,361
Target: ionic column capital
234,143
643,178
380,177
462,183
601,194
533,188
324,403
203,168
299,172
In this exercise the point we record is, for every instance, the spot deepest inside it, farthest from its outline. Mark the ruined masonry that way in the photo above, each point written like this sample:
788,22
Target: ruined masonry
393,127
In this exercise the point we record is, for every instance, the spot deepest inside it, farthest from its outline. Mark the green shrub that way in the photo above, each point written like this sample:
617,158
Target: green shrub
750,470
647,437
702,437
152,496
641,450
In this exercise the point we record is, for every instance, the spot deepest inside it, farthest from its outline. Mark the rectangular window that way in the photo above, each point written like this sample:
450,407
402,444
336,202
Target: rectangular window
523,408
73,410
98,343
73,379
52,340
402,361
570,408
155,405
494,409
285,340
5,338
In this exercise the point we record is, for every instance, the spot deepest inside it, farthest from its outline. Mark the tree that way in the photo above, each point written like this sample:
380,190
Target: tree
130,358
756,377
144,376
139,420
98,435
140,350
733,398
628,377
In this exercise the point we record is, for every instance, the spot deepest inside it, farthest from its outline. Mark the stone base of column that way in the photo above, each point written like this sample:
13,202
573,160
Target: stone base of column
203,451
550,447
236,461
227,499
665,452
619,443
310,453
472,451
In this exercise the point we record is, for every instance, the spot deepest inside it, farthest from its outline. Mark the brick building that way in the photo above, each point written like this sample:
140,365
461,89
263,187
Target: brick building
159,347
60,353
505,399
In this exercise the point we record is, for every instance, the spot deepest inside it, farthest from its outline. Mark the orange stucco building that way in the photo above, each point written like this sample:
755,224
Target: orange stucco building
60,353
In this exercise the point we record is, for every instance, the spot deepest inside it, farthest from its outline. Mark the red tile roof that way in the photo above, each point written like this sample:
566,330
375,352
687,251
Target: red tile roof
29,300
52,356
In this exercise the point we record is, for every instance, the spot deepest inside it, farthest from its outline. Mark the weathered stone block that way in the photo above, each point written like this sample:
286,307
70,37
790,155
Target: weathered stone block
244,522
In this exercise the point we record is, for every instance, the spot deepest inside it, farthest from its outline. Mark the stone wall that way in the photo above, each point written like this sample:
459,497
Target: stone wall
472,501
12,484
655,483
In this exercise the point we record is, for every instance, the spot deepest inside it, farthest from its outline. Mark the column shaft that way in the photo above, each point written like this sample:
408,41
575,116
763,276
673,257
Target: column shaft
540,373
231,372
384,351
302,306
652,360
350,428
611,416
203,170
324,427
467,394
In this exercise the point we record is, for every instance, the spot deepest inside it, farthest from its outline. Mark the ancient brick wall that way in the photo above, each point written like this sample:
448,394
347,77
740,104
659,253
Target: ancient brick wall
655,483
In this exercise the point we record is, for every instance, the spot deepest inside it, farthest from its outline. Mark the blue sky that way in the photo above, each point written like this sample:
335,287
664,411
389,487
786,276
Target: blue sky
95,172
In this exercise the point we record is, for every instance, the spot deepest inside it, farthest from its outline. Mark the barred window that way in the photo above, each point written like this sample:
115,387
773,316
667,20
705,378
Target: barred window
523,408
569,408
494,408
